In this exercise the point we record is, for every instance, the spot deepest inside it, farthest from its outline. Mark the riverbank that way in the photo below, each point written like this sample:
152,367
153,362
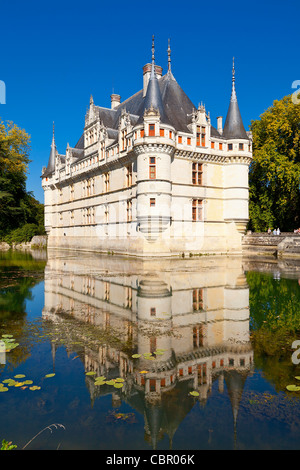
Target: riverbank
37,242
285,245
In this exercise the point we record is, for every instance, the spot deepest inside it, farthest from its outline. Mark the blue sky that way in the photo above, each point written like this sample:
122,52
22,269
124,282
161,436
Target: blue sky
54,55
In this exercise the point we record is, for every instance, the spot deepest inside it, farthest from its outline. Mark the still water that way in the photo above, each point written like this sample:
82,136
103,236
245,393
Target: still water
131,354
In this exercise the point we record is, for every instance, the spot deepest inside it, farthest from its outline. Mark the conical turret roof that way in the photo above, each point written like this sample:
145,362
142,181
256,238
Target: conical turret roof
234,127
153,98
51,163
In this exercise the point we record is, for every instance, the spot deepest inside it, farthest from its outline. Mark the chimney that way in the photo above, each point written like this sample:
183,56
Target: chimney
115,100
220,125
147,73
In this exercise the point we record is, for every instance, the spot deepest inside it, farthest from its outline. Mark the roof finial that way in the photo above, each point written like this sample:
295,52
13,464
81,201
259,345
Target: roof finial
53,131
169,56
153,49
233,93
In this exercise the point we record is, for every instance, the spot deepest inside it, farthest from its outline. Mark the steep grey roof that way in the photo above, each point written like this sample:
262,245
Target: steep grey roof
234,127
51,162
153,98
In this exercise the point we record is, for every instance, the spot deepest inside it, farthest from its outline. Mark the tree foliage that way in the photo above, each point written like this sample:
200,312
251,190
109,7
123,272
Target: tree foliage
17,206
274,174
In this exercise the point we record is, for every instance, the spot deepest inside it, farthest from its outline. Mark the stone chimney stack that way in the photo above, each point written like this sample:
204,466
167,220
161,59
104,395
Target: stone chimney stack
220,124
115,100
147,73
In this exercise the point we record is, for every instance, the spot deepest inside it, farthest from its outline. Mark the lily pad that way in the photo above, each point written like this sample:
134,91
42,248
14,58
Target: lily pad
118,384
293,388
91,373
298,378
135,356
194,393
144,372
110,382
119,379
3,389
35,387
19,376
49,375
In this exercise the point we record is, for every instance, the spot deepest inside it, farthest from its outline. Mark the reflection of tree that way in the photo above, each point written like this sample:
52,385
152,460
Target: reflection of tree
19,274
275,323
273,304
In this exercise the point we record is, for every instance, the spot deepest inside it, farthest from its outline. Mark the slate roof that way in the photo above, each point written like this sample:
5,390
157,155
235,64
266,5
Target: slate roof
175,108
234,127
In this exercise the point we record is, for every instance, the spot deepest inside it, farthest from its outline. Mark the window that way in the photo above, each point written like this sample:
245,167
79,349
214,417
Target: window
197,172
152,168
123,140
220,146
152,311
128,176
200,136
72,192
106,182
128,297
212,145
229,146
197,208
189,141
151,130
180,139
197,299
170,134
142,132
198,336
152,344
241,146
129,210
152,201
106,215
161,132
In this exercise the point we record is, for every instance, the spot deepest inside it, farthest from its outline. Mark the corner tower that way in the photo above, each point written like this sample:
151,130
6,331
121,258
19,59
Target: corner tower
154,146
236,169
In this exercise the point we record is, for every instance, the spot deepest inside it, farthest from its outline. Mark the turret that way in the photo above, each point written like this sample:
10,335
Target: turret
153,149
236,192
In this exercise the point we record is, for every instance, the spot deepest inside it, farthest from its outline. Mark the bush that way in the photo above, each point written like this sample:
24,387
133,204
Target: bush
23,234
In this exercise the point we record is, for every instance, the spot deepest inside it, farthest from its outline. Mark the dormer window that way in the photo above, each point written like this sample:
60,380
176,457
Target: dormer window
229,146
241,146
151,130
200,136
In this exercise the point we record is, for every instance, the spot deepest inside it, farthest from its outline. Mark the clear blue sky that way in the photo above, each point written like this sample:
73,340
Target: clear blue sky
54,55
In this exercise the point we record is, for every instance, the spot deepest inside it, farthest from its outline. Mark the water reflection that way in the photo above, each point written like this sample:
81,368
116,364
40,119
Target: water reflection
189,321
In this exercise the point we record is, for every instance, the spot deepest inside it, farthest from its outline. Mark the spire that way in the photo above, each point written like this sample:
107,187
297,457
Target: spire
51,163
234,127
169,57
153,98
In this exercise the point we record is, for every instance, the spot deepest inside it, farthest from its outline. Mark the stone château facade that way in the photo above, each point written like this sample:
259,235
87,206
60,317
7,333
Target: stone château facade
151,176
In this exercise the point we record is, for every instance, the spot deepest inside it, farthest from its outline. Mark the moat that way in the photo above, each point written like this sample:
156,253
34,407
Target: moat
120,354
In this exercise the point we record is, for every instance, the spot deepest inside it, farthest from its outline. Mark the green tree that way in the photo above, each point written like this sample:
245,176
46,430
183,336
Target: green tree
17,206
274,174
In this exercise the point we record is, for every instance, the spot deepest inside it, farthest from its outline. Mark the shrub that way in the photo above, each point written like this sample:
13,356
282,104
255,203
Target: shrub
22,234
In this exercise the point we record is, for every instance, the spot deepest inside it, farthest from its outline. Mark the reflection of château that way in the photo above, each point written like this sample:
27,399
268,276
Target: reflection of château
196,311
